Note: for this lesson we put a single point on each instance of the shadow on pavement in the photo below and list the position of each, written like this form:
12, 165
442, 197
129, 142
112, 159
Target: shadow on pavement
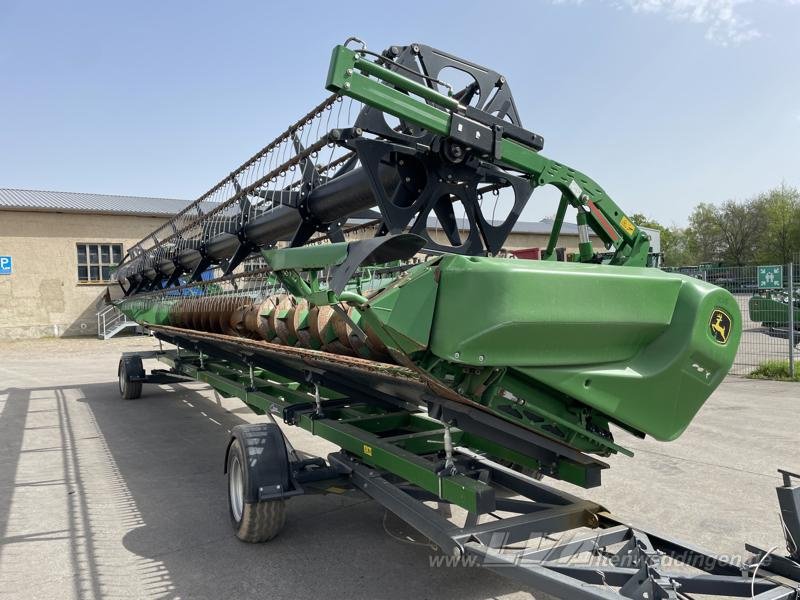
151, 471
12, 428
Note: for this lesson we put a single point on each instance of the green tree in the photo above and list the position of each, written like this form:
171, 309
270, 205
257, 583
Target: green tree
674, 247
703, 236
728, 233
764, 229
739, 223
675, 242
779, 232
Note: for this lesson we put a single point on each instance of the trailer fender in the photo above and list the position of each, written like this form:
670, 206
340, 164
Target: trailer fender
267, 469
133, 367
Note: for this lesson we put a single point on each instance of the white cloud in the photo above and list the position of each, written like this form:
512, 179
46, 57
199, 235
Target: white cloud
723, 22
722, 19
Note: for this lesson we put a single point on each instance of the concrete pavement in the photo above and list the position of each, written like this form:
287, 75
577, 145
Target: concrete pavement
102, 498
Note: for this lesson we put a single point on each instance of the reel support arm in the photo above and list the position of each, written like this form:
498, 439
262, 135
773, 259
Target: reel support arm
351, 74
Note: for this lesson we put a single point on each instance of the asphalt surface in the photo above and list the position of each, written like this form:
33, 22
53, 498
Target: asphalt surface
106, 498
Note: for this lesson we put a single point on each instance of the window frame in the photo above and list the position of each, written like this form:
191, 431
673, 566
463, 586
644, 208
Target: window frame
95, 258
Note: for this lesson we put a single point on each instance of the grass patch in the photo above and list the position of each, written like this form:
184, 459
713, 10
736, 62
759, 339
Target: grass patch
775, 369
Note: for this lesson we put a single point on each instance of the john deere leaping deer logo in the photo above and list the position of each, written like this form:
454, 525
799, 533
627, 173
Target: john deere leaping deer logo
720, 325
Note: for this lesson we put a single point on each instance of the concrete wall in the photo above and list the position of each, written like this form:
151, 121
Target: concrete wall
43, 297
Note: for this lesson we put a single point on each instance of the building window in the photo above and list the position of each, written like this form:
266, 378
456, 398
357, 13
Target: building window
95, 261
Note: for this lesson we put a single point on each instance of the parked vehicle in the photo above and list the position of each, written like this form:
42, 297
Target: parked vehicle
771, 309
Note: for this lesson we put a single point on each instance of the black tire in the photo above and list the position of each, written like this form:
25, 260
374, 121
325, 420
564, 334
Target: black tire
254, 522
129, 390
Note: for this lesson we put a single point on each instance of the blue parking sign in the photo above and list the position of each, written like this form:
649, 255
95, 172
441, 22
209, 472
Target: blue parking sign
5, 265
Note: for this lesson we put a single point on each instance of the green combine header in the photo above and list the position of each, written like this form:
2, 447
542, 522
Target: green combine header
561, 349
347, 280
558, 350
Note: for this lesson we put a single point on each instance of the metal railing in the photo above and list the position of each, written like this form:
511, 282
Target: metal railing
110, 321
769, 300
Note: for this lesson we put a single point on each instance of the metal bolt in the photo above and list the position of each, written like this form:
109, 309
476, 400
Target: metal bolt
481, 358
347, 85
348, 72
457, 355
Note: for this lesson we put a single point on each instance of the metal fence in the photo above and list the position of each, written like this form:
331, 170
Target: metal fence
769, 300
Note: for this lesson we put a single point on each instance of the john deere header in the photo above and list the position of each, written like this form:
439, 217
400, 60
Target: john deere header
280, 259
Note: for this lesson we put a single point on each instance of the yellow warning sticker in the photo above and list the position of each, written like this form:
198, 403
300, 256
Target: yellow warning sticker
367, 450
627, 226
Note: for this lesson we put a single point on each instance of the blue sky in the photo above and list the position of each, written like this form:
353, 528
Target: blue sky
666, 103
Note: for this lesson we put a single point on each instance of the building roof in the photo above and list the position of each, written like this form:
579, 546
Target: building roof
38, 200
542, 227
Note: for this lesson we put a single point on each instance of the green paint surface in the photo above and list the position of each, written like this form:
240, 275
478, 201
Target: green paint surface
635, 344
772, 310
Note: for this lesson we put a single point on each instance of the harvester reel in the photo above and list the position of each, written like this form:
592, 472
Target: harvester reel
432, 185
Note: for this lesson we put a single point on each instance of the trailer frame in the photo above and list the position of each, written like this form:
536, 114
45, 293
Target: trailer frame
555, 542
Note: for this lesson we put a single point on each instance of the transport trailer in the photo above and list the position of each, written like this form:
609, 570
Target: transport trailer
405, 456
445, 373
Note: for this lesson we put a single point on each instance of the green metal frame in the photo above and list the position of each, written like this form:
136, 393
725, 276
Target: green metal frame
402, 442
351, 74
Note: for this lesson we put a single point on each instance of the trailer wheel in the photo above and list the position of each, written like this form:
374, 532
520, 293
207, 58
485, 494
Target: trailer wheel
253, 522
129, 390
